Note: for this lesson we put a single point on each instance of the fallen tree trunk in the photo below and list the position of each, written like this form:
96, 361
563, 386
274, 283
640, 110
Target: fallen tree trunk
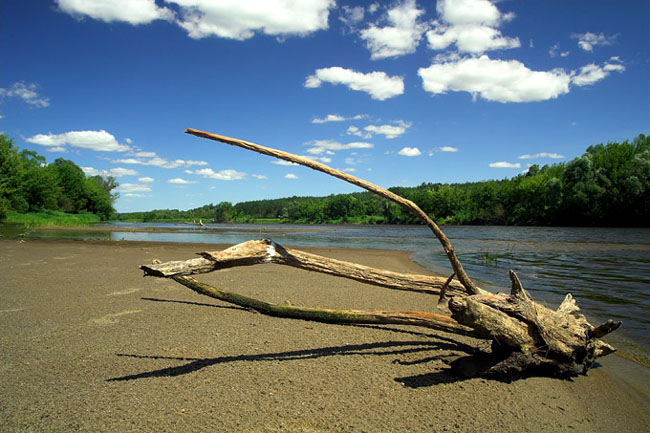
264, 251
528, 338
411, 318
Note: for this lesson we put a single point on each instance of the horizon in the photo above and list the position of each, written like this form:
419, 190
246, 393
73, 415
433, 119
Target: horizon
397, 93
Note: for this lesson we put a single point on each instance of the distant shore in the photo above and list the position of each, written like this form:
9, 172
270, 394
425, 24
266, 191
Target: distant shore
87, 344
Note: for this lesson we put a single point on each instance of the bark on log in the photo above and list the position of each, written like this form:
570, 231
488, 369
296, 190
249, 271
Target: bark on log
556, 342
411, 318
266, 251
464, 279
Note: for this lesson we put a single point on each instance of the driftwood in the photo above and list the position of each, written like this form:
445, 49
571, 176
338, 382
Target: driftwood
527, 337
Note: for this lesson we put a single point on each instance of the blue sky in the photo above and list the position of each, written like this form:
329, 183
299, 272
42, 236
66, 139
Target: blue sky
398, 93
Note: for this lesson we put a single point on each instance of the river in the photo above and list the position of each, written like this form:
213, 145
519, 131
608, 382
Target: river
607, 270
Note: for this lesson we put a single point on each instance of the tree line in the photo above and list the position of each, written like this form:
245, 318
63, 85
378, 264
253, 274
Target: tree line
609, 185
29, 184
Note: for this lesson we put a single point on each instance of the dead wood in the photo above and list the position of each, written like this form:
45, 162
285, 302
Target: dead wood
411, 318
266, 251
528, 338
464, 279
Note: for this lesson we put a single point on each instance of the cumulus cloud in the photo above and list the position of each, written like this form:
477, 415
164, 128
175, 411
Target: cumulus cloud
494, 80
592, 73
100, 141
389, 131
448, 149
351, 16
26, 92
231, 19
131, 11
259, 176
181, 181
353, 130
282, 162
337, 118
377, 84
401, 36
554, 51
236, 19
471, 25
290, 176
542, 155
146, 179
503, 164
151, 159
221, 175
319, 147
115, 172
133, 187
410, 151
587, 41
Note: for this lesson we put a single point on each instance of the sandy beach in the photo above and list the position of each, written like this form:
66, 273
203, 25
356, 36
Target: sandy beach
88, 344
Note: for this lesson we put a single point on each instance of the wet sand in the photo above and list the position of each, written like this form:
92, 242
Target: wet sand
88, 344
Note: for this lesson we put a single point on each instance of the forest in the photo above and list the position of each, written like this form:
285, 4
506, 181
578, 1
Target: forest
29, 184
609, 185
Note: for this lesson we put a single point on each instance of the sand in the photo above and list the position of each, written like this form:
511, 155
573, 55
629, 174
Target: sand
88, 344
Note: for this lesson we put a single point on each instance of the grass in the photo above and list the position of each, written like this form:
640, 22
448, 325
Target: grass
51, 218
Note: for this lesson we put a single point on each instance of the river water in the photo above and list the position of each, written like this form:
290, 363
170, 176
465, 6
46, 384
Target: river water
606, 270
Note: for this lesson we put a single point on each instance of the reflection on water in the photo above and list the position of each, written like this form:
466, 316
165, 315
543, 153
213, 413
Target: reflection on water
607, 270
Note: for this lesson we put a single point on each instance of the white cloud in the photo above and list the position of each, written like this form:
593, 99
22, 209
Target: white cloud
131, 11
135, 195
471, 25
588, 40
115, 172
146, 179
26, 92
351, 16
337, 118
282, 162
554, 51
349, 170
494, 80
410, 151
319, 147
60, 149
290, 176
329, 118
503, 164
133, 187
390, 131
377, 84
353, 130
448, 149
236, 19
145, 154
259, 176
128, 141
221, 175
157, 161
100, 141
542, 155
401, 37
180, 181
592, 73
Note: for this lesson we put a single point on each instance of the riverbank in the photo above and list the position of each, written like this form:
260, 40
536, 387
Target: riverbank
88, 344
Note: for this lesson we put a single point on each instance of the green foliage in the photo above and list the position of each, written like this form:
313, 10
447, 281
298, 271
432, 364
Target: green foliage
608, 185
52, 218
29, 184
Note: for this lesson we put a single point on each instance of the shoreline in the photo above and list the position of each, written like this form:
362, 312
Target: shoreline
88, 344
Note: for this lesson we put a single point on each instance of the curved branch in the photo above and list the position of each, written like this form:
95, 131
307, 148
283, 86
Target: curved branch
413, 318
462, 276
